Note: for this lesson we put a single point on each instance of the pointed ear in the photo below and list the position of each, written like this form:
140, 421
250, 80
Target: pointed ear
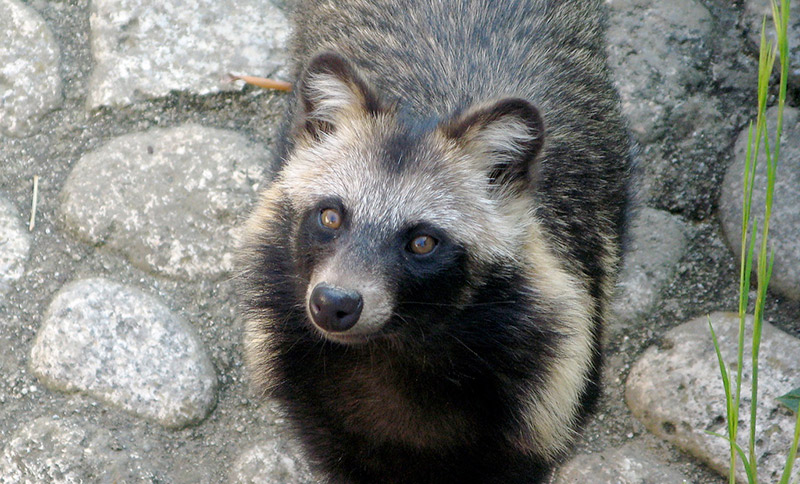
331, 88
506, 136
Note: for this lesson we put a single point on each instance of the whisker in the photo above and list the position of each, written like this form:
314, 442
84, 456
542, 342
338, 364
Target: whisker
450, 305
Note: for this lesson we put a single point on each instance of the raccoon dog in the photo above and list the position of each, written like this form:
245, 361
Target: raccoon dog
425, 281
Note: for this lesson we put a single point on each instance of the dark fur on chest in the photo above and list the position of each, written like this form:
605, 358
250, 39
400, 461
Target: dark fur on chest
431, 409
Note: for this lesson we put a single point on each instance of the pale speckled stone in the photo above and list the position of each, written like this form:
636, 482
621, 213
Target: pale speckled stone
629, 464
30, 85
145, 48
658, 241
48, 450
127, 349
15, 246
271, 462
168, 199
675, 390
784, 229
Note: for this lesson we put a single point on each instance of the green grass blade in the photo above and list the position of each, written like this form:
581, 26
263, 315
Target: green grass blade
748, 469
791, 400
729, 408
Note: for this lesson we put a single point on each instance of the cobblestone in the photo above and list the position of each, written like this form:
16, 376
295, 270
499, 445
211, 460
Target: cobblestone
14, 246
127, 349
30, 85
784, 237
168, 199
145, 48
629, 464
67, 451
652, 260
675, 390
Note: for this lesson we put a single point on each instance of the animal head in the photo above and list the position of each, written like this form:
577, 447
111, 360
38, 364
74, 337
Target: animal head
391, 218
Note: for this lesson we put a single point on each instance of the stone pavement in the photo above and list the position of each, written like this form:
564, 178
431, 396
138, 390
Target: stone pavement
121, 353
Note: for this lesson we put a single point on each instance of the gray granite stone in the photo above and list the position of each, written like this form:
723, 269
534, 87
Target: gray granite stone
30, 85
660, 58
15, 246
145, 48
167, 199
658, 241
651, 70
127, 349
630, 464
754, 13
784, 229
271, 462
51, 450
675, 390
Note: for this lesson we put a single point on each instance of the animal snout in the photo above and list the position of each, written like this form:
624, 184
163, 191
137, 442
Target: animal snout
335, 309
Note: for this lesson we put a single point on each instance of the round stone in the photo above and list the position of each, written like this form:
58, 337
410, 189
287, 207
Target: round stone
127, 349
14, 246
676, 391
660, 55
67, 451
145, 48
269, 462
784, 228
630, 464
167, 199
651, 261
649, 58
30, 85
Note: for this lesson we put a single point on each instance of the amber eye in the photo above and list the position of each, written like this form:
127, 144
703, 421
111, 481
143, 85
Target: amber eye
330, 218
422, 244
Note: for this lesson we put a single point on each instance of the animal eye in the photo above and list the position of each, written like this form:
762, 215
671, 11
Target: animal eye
422, 244
330, 218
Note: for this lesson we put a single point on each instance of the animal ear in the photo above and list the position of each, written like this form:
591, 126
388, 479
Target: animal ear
505, 136
331, 88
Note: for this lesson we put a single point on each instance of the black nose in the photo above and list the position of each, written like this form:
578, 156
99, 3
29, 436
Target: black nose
335, 309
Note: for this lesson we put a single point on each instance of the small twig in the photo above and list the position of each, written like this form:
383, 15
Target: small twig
262, 82
33, 205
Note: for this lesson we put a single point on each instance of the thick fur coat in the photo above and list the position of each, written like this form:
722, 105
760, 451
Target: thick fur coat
425, 281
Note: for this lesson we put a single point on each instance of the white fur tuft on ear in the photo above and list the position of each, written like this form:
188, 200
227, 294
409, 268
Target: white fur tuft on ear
330, 88
329, 96
509, 136
504, 137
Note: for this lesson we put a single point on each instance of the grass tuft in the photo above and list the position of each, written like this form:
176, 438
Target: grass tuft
758, 134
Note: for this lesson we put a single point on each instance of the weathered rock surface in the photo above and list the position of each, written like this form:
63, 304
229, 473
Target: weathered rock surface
754, 13
660, 58
270, 462
676, 391
70, 451
629, 464
15, 246
651, 261
784, 229
641, 59
145, 48
30, 85
168, 199
127, 349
